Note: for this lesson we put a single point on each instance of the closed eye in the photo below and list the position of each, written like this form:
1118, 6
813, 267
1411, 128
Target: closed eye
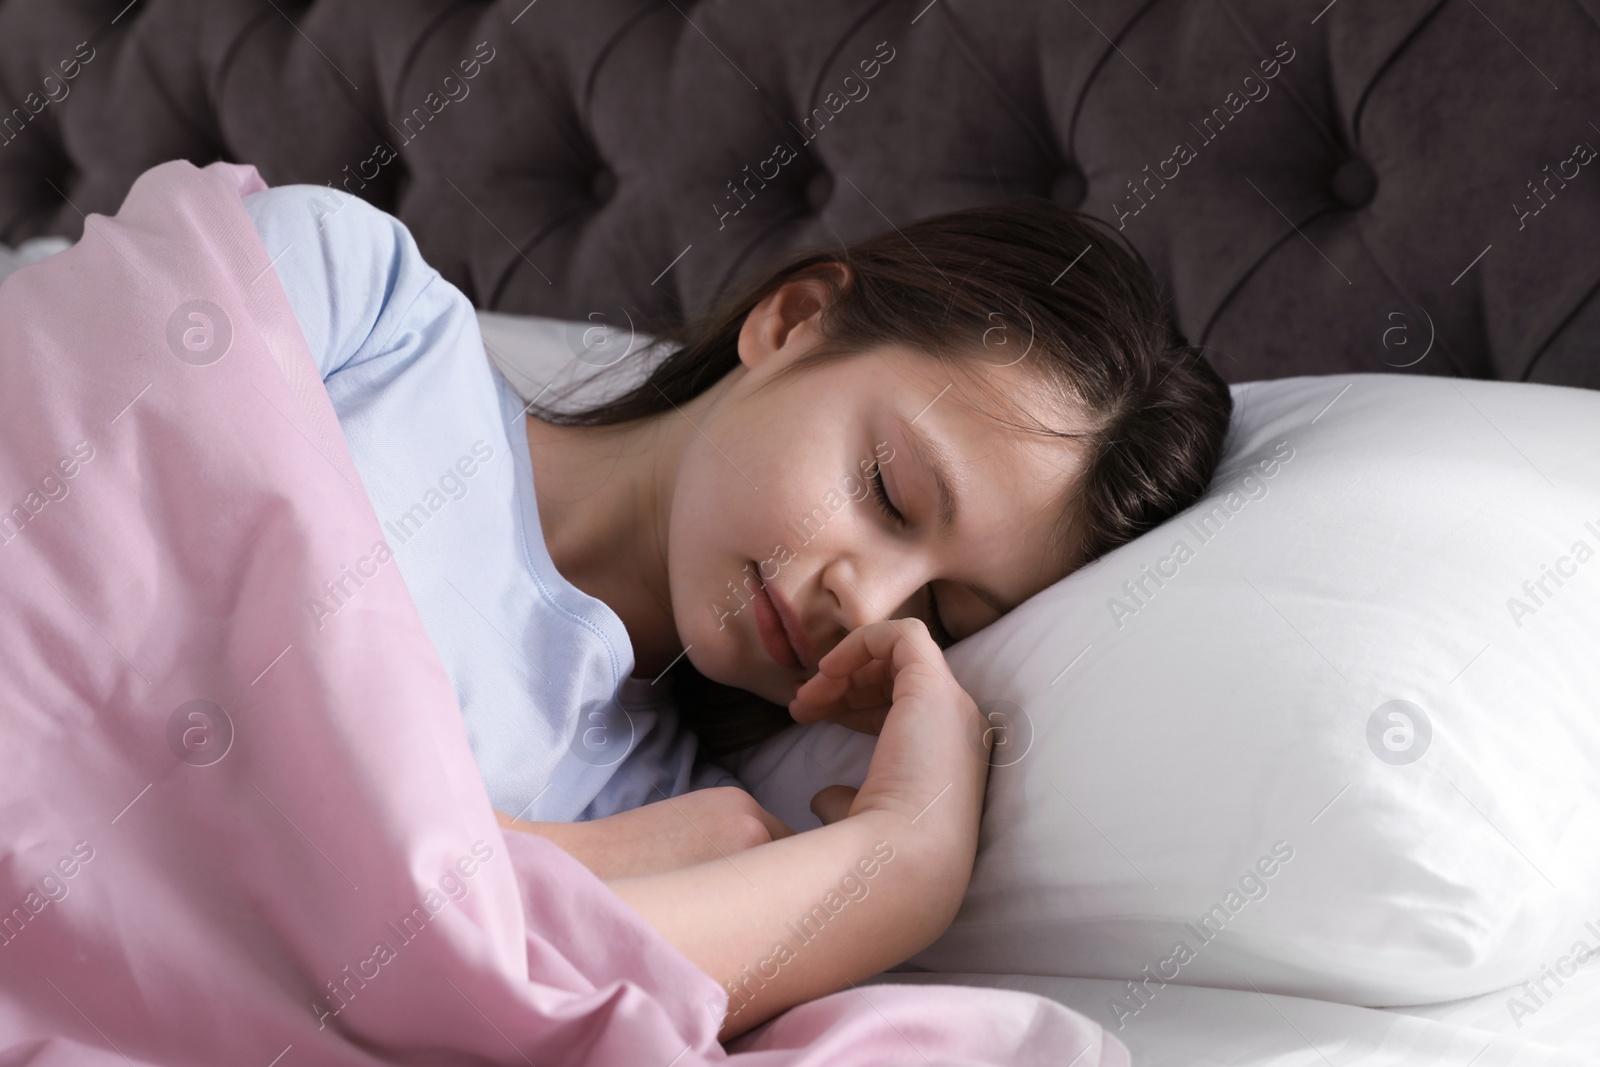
941, 635
882, 496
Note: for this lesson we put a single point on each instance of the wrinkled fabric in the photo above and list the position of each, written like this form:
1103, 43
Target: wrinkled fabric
560, 728
234, 830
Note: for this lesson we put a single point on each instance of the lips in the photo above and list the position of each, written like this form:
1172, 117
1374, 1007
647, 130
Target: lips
777, 627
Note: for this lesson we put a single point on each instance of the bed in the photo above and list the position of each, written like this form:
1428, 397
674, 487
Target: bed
1329, 206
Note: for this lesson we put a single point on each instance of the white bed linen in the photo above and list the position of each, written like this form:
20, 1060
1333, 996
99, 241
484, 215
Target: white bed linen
1191, 1026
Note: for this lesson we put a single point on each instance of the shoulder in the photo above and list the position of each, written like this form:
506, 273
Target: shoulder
351, 271
320, 215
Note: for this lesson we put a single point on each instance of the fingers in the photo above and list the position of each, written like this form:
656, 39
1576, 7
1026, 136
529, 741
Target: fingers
875, 640
833, 803
871, 686
860, 671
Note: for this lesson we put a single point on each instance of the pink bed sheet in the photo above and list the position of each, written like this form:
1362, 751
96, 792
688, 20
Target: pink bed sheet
235, 830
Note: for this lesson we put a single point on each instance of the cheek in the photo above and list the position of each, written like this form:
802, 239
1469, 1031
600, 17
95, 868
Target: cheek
731, 498
718, 521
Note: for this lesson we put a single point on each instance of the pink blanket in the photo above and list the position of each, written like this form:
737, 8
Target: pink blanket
235, 831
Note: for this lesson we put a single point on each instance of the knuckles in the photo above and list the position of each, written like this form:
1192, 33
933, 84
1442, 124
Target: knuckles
735, 818
751, 832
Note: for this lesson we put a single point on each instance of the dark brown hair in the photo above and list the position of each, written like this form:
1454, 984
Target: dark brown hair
986, 283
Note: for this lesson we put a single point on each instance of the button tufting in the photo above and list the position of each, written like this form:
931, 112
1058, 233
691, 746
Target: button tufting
602, 185
1069, 188
1354, 183
819, 190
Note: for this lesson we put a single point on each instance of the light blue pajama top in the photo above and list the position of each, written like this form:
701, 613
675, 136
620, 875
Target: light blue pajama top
560, 730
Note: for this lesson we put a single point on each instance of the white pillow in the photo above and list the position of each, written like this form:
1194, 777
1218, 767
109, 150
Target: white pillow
1214, 764
1340, 718
535, 352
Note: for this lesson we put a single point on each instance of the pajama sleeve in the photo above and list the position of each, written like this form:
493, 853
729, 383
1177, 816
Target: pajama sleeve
354, 277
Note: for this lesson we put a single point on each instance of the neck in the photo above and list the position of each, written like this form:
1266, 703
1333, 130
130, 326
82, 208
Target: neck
605, 496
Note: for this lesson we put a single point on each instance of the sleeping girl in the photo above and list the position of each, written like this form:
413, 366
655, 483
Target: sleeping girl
838, 471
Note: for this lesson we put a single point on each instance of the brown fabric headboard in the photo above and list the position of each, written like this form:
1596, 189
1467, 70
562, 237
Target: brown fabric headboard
1322, 187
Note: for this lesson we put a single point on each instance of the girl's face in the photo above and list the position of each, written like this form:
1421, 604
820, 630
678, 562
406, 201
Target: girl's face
777, 488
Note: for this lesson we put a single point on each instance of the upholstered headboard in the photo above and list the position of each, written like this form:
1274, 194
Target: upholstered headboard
1321, 185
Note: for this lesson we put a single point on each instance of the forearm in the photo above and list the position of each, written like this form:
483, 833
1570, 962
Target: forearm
675, 832
801, 917
567, 835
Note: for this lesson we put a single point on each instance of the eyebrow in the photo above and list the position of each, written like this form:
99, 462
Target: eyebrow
933, 455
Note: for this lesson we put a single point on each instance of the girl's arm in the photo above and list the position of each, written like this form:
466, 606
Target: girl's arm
680, 831
800, 917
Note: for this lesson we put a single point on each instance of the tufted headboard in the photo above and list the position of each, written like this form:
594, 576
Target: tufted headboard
1322, 186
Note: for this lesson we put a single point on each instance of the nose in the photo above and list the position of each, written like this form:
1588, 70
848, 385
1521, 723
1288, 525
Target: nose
886, 586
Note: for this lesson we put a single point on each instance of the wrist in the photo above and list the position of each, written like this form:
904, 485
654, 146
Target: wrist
940, 827
935, 857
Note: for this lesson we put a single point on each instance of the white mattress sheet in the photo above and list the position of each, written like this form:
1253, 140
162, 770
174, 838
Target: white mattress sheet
1189, 1026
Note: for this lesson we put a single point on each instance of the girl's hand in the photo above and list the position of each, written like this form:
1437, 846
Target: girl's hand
697, 826
913, 825
931, 761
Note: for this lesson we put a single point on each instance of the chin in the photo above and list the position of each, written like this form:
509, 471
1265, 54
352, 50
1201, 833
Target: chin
715, 652
723, 661
731, 654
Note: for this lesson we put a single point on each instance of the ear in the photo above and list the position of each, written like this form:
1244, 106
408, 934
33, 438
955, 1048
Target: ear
784, 324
